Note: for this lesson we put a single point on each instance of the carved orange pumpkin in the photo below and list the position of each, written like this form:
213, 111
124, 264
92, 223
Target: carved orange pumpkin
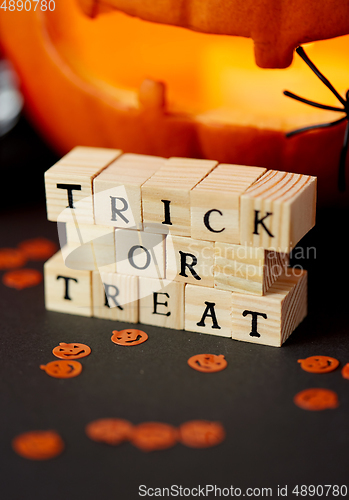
117, 81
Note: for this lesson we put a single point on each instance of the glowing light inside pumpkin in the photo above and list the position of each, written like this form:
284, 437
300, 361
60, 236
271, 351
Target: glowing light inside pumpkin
214, 77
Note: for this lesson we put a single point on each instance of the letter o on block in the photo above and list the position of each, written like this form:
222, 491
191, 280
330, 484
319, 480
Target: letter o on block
139, 253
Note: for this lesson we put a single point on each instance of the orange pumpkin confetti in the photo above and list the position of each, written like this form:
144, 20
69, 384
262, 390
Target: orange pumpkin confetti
129, 337
151, 436
11, 258
38, 248
316, 399
71, 351
22, 278
319, 364
345, 371
62, 369
38, 445
207, 363
113, 431
201, 433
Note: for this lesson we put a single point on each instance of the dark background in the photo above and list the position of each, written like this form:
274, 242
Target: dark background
270, 441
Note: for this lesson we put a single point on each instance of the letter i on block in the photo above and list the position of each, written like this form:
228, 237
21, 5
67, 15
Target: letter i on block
278, 210
67, 290
166, 195
272, 318
69, 184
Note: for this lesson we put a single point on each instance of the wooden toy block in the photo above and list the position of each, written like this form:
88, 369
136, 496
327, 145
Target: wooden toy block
271, 319
115, 296
208, 310
215, 202
117, 190
161, 303
69, 184
278, 210
90, 247
139, 253
67, 290
189, 260
166, 195
247, 269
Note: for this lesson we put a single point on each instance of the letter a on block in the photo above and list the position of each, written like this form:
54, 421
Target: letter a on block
208, 310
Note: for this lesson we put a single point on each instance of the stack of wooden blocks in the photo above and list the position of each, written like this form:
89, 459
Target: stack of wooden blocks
179, 243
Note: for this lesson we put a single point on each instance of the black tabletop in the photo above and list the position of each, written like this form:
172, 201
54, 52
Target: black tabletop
270, 442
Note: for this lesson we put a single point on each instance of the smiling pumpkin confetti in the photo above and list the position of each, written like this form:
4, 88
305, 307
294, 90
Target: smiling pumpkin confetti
207, 363
22, 278
345, 371
11, 258
319, 364
201, 433
71, 351
112, 431
38, 248
38, 445
151, 436
316, 399
129, 337
62, 369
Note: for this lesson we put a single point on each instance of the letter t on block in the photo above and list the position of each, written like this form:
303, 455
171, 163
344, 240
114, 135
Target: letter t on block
69, 184
271, 319
277, 211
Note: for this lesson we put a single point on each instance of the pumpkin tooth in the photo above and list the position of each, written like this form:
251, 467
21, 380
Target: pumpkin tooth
93, 8
152, 94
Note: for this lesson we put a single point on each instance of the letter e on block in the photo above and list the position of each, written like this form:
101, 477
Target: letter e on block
161, 303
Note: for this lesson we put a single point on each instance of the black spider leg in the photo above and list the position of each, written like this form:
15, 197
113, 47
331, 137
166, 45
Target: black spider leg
301, 52
342, 160
341, 171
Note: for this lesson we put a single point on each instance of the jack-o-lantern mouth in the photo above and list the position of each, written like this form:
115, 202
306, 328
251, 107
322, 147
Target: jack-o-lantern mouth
212, 78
